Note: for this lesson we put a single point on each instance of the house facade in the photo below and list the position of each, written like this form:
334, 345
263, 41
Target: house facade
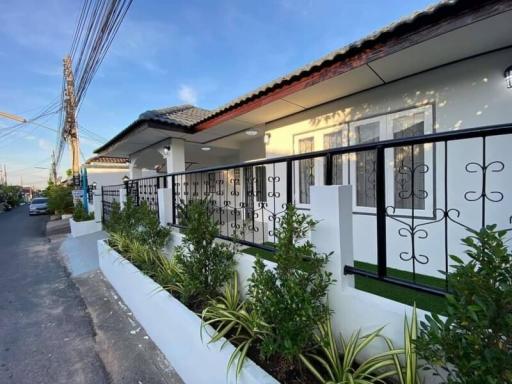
416, 118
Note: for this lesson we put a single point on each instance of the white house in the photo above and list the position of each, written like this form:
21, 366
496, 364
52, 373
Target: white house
377, 110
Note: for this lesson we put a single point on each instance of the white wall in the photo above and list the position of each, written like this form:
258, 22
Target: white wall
471, 93
106, 176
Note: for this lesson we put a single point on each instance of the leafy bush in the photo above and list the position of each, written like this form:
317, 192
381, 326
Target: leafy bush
290, 300
60, 199
139, 223
207, 265
80, 214
474, 344
10, 194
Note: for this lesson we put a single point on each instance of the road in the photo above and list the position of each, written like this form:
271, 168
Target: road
46, 333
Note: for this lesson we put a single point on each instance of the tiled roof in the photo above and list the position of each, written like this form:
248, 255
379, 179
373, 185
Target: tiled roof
107, 160
183, 115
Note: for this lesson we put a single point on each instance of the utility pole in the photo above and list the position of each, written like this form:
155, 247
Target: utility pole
71, 126
5, 175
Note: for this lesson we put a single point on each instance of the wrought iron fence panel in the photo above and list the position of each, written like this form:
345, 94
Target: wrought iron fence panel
109, 196
414, 198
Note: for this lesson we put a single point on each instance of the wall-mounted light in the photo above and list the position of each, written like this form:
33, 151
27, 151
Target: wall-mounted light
251, 132
266, 138
508, 76
94, 185
167, 148
125, 179
205, 149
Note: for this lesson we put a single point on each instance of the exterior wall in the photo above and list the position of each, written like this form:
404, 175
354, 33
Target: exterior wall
468, 94
106, 176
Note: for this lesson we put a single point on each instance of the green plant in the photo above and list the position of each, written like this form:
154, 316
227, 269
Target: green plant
292, 301
80, 214
473, 345
230, 319
207, 265
139, 223
60, 199
407, 372
339, 367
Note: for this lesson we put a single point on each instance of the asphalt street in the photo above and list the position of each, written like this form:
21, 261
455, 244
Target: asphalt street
46, 333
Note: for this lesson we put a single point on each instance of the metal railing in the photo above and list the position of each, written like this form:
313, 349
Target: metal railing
413, 197
146, 190
110, 194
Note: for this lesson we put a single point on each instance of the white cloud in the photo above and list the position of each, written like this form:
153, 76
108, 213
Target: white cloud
44, 144
187, 94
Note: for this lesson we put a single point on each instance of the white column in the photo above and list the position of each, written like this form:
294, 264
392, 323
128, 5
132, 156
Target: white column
135, 173
165, 206
175, 157
97, 204
123, 197
331, 205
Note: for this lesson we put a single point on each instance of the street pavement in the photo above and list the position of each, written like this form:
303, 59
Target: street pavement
48, 334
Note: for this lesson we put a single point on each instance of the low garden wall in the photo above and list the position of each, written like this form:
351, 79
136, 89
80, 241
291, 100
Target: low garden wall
173, 327
81, 228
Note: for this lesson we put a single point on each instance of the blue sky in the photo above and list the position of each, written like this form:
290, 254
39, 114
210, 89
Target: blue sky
166, 53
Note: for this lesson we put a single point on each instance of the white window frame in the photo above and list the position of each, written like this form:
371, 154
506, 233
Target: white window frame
428, 158
319, 163
352, 157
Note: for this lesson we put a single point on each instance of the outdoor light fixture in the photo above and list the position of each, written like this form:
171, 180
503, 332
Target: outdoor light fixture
125, 179
205, 148
251, 132
94, 185
508, 76
266, 138
167, 148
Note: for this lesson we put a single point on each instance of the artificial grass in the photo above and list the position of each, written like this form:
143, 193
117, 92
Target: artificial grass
423, 300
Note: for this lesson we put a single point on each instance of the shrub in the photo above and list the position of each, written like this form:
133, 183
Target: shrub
60, 199
290, 300
474, 344
80, 214
206, 264
138, 223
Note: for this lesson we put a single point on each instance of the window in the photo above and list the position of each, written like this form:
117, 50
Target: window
362, 133
400, 161
306, 170
409, 191
261, 183
334, 140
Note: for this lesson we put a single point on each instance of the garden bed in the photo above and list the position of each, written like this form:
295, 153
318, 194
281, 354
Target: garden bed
82, 228
173, 327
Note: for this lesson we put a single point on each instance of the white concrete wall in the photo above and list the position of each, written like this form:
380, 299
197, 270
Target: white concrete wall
174, 328
106, 176
471, 93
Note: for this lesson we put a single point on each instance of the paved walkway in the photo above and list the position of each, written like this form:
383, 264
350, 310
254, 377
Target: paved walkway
49, 333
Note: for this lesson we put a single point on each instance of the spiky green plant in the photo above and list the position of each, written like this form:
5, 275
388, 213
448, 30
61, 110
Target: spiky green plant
230, 319
339, 367
408, 367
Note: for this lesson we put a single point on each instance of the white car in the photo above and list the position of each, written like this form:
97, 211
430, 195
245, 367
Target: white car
39, 206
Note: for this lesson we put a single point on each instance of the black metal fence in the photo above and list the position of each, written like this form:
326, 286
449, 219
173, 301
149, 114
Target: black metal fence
110, 194
413, 198
146, 190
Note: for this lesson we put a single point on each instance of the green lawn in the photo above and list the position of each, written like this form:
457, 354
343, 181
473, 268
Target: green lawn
394, 292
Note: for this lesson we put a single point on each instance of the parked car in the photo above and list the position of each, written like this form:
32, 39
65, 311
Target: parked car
38, 206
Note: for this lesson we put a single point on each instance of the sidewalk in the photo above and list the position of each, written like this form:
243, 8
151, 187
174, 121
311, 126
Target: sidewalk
127, 353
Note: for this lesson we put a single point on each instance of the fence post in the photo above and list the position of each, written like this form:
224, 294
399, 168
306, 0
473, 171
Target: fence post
173, 200
380, 196
97, 203
331, 206
165, 206
122, 197
289, 182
